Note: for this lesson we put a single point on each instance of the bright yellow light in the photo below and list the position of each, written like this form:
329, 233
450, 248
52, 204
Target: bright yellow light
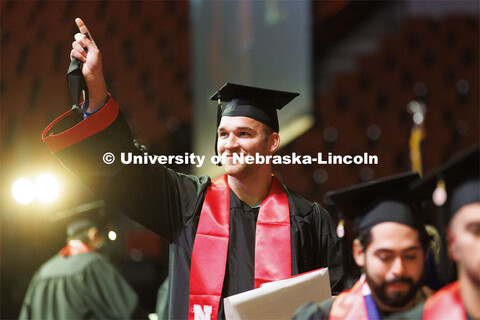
23, 191
47, 188
112, 235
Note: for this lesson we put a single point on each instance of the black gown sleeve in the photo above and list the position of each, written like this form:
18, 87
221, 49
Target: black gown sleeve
151, 194
330, 249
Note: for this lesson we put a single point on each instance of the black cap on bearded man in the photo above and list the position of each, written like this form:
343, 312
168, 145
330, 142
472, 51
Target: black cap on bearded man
384, 200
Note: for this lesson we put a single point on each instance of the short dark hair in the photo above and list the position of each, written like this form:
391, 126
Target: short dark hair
268, 131
365, 237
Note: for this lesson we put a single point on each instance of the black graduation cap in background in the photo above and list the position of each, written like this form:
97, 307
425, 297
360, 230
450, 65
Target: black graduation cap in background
82, 217
256, 103
382, 200
454, 183
450, 186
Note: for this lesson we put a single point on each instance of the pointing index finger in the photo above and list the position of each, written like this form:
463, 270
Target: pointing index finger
82, 27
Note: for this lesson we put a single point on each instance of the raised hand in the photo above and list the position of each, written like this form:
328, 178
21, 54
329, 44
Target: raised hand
86, 51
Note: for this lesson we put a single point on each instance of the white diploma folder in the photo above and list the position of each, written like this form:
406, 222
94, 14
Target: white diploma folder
279, 299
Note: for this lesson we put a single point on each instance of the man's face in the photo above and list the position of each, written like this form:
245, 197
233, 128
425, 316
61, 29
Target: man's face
464, 241
394, 264
243, 135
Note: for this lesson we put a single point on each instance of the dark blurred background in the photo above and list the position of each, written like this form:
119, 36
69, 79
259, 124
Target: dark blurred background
368, 61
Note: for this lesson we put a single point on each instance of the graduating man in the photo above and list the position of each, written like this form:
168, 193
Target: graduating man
79, 282
458, 196
228, 235
390, 248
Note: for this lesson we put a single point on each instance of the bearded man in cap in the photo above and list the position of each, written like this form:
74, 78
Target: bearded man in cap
390, 247
228, 235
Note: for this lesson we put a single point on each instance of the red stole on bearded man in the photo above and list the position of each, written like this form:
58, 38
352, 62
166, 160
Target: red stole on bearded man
350, 304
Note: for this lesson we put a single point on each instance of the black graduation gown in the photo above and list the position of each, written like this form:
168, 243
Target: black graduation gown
169, 203
82, 286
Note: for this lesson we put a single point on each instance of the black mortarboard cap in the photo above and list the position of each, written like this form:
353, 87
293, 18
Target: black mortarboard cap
256, 103
383, 200
76, 82
83, 217
454, 183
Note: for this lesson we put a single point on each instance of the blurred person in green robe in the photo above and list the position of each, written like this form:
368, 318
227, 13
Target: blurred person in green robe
79, 282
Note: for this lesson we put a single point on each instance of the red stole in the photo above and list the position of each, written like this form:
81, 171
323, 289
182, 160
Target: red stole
350, 304
73, 248
209, 256
445, 304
